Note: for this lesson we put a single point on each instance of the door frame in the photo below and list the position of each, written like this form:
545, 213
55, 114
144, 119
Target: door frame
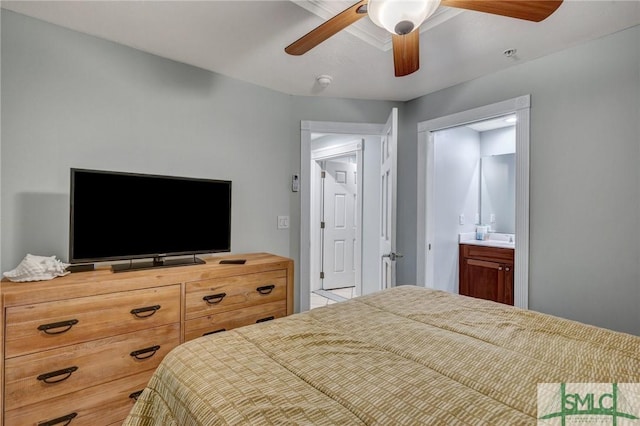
306, 233
426, 129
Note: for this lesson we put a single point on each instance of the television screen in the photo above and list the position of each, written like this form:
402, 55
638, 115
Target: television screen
118, 216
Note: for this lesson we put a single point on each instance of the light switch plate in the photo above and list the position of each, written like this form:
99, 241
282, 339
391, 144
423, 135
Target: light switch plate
283, 222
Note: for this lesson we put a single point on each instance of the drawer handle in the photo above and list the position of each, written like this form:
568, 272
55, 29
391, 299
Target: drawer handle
59, 420
135, 395
47, 328
65, 372
266, 319
265, 289
151, 351
214, 299
215, 331
147, 311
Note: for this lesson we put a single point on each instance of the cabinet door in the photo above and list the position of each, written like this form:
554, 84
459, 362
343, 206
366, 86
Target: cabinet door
484, 280
508, 284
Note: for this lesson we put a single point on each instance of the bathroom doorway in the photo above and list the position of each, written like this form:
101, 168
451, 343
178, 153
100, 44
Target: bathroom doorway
450, 185
474, 186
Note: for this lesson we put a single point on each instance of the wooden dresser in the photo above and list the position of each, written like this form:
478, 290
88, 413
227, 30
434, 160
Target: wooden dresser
78, 349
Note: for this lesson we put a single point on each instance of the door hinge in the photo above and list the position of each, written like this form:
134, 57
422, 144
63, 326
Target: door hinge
322, 275
323, 174
321, 225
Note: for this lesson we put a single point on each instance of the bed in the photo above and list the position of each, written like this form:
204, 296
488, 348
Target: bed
406, 355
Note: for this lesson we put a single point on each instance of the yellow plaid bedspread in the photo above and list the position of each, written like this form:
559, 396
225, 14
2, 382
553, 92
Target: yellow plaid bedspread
404, 356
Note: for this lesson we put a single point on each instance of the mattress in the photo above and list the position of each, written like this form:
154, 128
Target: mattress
406, 355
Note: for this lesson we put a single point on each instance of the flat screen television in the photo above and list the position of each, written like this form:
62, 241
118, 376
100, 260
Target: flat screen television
126, 216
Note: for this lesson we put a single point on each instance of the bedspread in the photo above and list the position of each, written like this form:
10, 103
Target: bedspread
406, 355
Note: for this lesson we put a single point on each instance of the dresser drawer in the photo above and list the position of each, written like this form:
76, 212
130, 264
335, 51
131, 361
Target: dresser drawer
43, 326
43, 375
211, 296
96, 406
233, 319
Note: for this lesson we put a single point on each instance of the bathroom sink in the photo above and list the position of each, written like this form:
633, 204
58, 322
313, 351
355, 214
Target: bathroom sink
495, 240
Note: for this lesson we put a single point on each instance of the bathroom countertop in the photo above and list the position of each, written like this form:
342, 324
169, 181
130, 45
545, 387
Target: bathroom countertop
495, 239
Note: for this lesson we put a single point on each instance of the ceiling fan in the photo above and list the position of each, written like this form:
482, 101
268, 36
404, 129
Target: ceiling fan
402, 18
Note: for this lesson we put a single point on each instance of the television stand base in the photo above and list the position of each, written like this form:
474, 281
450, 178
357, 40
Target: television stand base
156, 263
81, 268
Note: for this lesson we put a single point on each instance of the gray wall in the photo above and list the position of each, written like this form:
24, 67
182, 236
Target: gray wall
585, 180
72, 100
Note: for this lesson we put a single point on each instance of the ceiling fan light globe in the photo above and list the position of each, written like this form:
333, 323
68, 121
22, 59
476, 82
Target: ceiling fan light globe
393, 15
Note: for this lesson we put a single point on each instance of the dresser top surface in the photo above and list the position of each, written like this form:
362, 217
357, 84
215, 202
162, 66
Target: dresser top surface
103, 280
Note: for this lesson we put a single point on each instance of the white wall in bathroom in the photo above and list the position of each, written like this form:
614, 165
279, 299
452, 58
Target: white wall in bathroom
457, 155
498, 141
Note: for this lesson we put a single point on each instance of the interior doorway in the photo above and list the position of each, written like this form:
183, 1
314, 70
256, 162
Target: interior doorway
427, 228
377, 250
337, 188
474, 186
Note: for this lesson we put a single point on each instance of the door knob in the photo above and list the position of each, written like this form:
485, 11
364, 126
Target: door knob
393, 256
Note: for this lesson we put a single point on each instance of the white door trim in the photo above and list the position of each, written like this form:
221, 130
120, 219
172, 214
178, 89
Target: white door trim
519, 105
337, 151
306, 128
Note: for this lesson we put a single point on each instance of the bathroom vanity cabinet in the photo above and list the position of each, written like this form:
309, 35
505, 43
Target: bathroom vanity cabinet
487, 272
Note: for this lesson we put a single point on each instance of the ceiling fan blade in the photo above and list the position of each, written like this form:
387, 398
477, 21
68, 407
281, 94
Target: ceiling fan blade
530, 10
339, 22
406, 53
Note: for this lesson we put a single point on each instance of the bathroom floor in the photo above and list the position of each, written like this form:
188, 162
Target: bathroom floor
327, 297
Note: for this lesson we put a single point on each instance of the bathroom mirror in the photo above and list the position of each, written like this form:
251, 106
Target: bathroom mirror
498, 192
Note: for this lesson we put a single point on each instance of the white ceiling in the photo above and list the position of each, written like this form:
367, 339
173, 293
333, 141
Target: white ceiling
246, 39
492, 124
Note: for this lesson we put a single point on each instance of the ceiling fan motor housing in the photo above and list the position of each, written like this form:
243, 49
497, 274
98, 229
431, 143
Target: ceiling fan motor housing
403, 27
401, 16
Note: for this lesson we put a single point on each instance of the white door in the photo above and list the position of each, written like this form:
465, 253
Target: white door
340, 221
388, 184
